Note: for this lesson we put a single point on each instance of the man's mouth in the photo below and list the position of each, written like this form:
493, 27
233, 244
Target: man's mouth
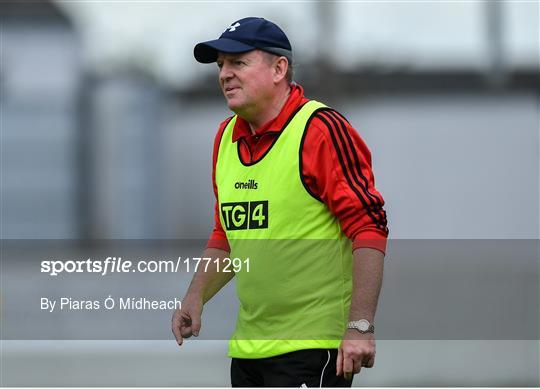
230, 88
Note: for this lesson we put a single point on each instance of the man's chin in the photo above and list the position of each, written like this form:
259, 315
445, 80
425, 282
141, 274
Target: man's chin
233, 105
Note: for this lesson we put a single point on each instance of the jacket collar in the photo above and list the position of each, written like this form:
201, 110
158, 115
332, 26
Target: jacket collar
296, 98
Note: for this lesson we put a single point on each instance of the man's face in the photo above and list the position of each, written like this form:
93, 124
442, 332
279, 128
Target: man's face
246, 80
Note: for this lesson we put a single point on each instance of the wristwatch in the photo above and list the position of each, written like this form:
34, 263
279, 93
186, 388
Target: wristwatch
363, 326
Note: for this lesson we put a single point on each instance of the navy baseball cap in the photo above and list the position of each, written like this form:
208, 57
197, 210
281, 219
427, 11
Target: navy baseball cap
245, 35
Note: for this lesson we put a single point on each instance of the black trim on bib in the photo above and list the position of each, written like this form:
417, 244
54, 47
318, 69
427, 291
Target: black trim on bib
219, 143
223, 133
272, 145
306, 187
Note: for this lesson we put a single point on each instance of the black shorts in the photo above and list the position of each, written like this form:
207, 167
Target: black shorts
304, 368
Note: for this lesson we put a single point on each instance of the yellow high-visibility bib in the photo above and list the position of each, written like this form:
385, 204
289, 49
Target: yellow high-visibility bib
295, 293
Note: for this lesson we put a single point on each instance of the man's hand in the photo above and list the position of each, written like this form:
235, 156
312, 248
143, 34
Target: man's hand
356, 351
204, 285
187, 320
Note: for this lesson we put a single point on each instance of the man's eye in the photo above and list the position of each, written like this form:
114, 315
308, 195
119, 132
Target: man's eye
219, 65
238, 62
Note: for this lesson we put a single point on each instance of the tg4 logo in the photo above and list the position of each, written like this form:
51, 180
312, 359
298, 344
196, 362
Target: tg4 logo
245, 215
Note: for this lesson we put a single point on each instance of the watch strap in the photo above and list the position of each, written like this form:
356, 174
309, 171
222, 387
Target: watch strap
354, 325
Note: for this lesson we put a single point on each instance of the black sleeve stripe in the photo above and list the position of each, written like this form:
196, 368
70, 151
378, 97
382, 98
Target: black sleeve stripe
326, 118
376, 201
357, 168
355, 171
352, 179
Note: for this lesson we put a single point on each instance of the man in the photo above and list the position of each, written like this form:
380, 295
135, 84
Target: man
294, 188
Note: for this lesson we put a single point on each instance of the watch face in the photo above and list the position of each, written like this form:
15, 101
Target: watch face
363, 325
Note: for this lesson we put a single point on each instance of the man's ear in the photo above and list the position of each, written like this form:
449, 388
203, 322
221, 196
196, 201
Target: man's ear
280, 69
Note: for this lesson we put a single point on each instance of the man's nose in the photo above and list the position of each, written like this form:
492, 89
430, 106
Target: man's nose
225, 73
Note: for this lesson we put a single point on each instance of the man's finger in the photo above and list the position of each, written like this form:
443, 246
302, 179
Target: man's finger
348, 367
195, 325
339, 362
176, 329
178, 335
185, 325
370, 362
185, 330
357, 367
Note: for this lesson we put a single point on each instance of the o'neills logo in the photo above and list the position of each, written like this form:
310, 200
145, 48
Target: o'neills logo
251, 184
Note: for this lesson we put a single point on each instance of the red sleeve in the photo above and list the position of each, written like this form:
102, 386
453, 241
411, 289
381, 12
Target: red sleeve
218, 238
336, 168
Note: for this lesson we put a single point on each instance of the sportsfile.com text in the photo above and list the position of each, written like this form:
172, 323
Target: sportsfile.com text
112, 265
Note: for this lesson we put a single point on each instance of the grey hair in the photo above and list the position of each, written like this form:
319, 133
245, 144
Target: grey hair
290, 68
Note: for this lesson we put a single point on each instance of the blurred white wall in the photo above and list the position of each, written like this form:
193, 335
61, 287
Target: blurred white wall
39, 75
160, 36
